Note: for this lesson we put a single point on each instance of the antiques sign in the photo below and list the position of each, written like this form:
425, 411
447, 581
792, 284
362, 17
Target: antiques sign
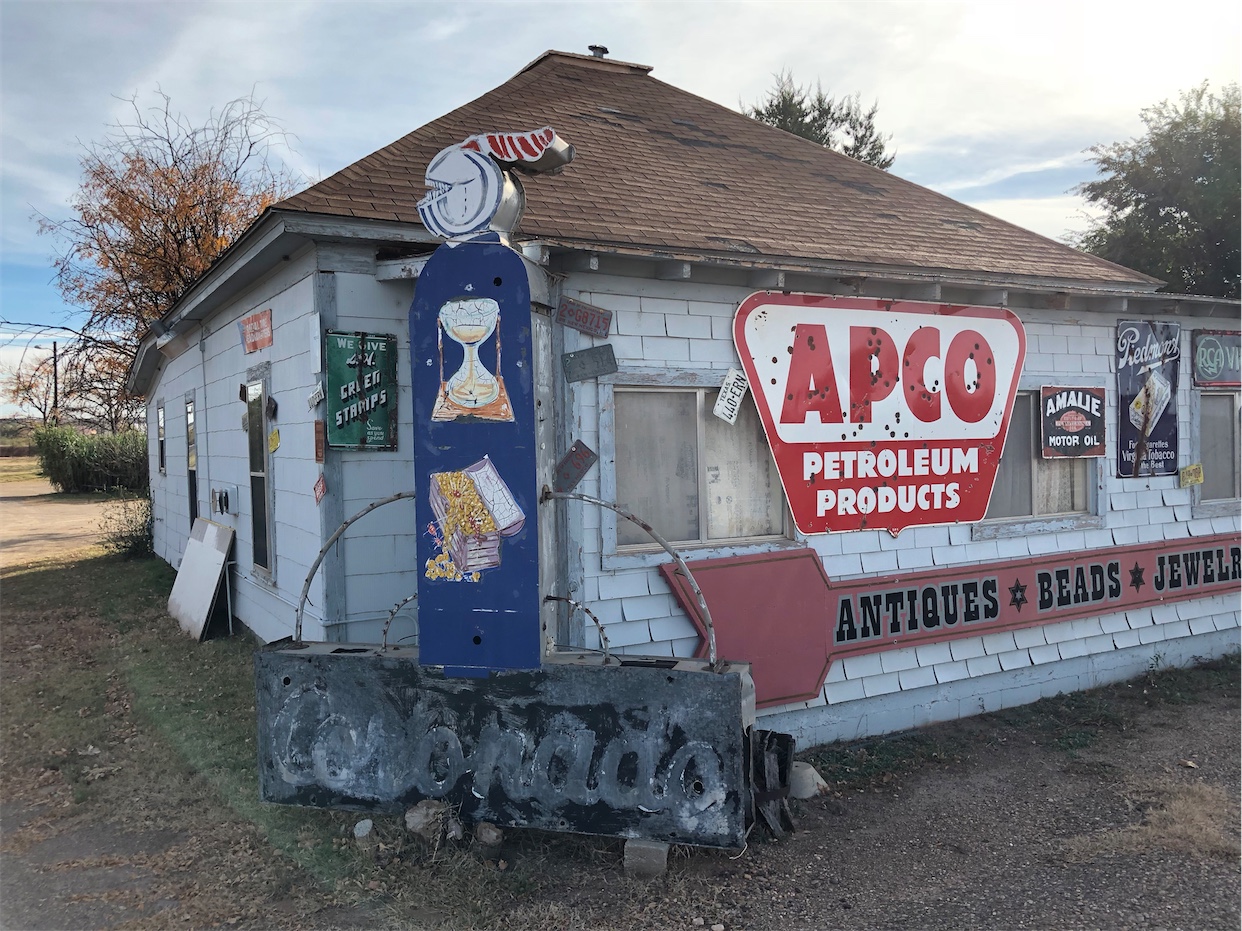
362, 390
881, 414
878, 613
1216, 357
1147, 363
1071, 422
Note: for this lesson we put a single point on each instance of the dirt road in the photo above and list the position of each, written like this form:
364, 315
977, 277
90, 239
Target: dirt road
35, 522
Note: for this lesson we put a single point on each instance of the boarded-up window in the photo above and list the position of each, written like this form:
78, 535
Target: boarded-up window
1218, 446
693, 477
1027, 485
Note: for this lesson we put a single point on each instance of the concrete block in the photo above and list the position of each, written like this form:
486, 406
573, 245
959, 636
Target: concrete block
860, 667
848, 690
916, 678
645, 859
951, 672
932, 653
914, 559
881, 685
1045, 654
666, 348
999, 643
983, 665
874, 563
646, 607
1225, 621
968, 648
1101, 644
1072, 648
1111, 623
1028, 637
1203, 624
899, 659
1015, 659
692, 327
1153, 634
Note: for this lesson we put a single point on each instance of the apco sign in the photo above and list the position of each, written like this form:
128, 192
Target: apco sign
881, 414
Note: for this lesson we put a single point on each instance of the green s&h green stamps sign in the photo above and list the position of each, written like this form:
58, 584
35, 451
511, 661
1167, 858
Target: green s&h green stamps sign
362, 390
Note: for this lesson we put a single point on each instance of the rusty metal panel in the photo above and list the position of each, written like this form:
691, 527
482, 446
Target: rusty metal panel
589, 363
574, 466
583, 317
649, 748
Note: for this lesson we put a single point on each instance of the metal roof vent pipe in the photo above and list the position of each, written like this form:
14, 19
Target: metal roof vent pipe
599, 51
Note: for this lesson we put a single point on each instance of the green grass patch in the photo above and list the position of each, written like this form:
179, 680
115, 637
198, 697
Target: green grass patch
19, 469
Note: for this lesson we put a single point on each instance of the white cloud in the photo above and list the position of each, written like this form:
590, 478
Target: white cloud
1054, 217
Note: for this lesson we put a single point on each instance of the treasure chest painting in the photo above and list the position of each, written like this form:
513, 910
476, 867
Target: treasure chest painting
474, 509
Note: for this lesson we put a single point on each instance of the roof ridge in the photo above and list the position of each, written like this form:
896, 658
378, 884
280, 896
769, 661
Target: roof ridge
588, 61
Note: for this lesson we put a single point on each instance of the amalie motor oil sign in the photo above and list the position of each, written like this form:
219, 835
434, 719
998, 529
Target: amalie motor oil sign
881, 414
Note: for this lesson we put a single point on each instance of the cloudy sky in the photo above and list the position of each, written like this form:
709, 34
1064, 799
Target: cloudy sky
991, 103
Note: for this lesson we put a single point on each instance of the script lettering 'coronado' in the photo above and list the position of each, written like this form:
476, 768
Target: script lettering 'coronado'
881, 414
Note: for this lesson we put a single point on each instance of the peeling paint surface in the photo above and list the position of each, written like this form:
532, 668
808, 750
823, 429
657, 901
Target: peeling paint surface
651, 749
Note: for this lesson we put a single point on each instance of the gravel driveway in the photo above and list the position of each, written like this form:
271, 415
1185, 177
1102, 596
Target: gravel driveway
35, 522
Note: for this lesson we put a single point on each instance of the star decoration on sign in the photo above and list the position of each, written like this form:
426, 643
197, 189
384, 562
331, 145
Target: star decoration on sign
1017, 594
1136, 577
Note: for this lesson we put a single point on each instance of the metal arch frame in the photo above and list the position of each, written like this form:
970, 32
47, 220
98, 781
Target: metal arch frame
682, 568
323, 551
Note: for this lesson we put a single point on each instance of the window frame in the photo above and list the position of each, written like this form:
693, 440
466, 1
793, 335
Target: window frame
1092, 518
613, 557
191, 456
261, 376
161, 438
1211, 507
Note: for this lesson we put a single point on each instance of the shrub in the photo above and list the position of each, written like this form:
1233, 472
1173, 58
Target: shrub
75, 462
127, 527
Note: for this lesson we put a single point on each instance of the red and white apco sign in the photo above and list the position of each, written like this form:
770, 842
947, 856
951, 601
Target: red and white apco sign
881, 414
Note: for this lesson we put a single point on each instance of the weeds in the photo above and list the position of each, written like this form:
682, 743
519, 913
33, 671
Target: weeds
127, 528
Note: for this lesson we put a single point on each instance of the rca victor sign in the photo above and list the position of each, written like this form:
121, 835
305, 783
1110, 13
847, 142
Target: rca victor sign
881, 414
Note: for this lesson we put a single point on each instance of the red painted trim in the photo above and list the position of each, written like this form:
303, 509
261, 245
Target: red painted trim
981, 599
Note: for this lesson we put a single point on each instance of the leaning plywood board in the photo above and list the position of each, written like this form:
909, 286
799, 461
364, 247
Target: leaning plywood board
198, 580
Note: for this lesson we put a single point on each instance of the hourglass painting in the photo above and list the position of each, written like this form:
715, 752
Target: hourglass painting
472, 391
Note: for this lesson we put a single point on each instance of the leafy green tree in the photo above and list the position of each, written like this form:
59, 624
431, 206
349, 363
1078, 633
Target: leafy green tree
838, 124
1171, 196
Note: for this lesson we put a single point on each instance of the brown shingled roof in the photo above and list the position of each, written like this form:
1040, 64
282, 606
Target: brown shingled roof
662, 170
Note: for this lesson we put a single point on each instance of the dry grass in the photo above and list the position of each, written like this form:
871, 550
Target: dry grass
1197, 820
19, 468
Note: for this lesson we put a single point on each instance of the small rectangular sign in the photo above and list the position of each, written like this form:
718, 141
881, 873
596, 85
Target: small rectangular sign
362, 390
1217, 359
321, 488
256, 331
571, 469
729, 401
1191, 475
583, 317
321, 439
1071, 422
1148, 353
589, 363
